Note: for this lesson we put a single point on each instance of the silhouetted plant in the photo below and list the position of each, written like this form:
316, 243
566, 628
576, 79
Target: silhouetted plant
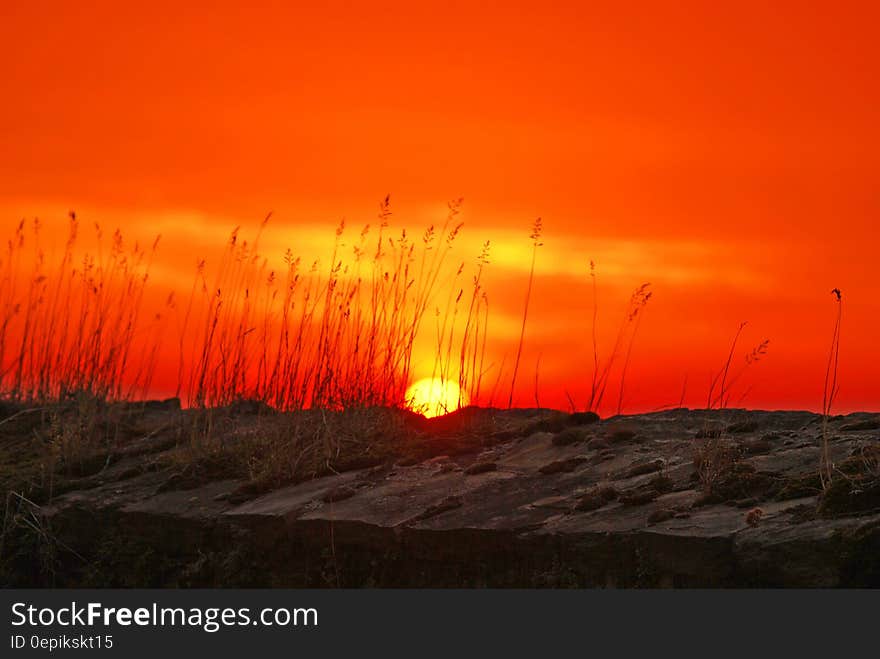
829, 393
341, 335
723, 381
536, 243
73, 328
636, 307
626, 334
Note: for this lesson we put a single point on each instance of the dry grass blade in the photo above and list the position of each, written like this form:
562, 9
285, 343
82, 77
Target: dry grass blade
829, 393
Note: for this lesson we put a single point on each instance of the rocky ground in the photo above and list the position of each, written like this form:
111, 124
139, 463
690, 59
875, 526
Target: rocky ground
521, 498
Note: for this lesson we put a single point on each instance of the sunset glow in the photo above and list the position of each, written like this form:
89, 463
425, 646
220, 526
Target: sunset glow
433, 397
727, 155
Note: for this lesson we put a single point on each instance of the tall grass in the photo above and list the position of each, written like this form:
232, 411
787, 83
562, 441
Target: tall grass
713, 456
75, 325
472, 354
335, 335
626, 335
536, 243
723, 381
637, 304
829, 393
295, 334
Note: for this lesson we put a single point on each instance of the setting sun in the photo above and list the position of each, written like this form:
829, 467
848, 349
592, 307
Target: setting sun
433, 397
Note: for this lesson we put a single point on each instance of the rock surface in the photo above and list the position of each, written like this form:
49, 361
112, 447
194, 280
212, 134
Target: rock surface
553, 501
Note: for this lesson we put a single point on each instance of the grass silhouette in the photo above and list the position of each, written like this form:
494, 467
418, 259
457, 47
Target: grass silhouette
294, 335
626, 335
723, 381
537, 228
75, 326
333, 335
829, 393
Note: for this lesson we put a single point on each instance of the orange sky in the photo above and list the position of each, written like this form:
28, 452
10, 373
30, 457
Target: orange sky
728, 155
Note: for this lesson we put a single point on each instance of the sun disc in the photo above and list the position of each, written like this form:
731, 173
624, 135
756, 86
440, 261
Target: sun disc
434, 397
